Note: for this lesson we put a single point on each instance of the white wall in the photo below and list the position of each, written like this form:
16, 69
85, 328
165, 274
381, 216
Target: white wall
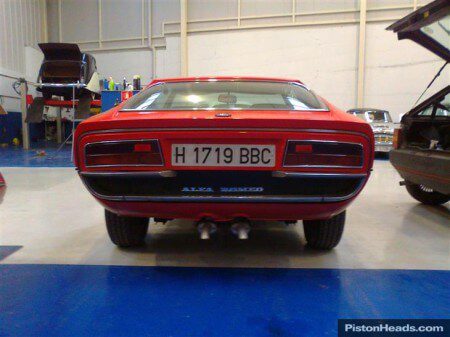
168, 59
323, 57
398, 71
20, 26
320, 53
124, 63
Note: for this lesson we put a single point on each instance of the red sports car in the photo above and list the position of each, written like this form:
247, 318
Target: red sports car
225, 150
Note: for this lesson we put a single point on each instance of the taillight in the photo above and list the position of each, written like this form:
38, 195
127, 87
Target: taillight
397, 139
124, 153
312, 153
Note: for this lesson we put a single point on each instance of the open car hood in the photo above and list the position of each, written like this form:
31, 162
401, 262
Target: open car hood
61, 51
428, 26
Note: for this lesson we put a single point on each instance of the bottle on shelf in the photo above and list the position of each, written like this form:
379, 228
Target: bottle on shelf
111, 84
136, 82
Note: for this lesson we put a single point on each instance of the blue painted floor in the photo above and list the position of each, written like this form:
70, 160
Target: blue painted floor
74, 300
13, 156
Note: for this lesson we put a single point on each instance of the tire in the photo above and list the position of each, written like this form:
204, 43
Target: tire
126, 231
426, 195
324, 234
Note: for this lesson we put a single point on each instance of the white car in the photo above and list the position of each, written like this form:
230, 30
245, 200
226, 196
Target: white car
382, 126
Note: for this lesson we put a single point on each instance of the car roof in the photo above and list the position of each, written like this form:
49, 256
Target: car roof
224, 78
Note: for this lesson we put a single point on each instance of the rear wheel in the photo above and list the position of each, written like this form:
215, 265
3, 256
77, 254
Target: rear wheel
426, 195
324, 234
126, 231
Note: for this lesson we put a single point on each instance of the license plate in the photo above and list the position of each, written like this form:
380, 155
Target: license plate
223, 155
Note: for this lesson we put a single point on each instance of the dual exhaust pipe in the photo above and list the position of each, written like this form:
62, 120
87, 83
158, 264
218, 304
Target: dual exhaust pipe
239, 227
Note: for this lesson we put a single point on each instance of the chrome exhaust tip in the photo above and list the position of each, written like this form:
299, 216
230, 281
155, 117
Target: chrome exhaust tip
241, 228
206, 228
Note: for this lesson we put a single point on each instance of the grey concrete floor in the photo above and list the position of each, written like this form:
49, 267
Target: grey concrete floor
49, 213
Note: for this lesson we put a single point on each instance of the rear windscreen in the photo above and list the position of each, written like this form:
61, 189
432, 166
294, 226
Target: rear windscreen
439, 31
378, 116
225, 95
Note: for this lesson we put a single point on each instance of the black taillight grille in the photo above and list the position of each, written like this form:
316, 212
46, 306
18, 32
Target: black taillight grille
124, 153
313, 153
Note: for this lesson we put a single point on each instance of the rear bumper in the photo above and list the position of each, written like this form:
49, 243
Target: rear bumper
425, 167
227, 211
224, 194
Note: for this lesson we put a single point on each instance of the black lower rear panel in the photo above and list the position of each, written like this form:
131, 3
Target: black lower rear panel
222, 186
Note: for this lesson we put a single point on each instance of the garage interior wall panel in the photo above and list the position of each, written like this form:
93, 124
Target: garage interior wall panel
116, 26
371, 4
164, 11
262, 7
168, 59
52, 21
304, 6
20, 26
79, 20
217, 9
326, 65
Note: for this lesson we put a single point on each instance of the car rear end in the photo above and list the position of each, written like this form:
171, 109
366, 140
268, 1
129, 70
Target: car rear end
222, 164
421, 152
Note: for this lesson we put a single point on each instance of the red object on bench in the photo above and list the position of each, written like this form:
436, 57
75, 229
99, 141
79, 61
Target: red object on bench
54, 102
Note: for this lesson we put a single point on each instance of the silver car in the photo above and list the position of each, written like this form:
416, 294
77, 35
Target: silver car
382, 126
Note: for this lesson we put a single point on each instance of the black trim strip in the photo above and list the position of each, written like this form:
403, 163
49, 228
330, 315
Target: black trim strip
157, 174
221, 199
283, 174
227, 129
